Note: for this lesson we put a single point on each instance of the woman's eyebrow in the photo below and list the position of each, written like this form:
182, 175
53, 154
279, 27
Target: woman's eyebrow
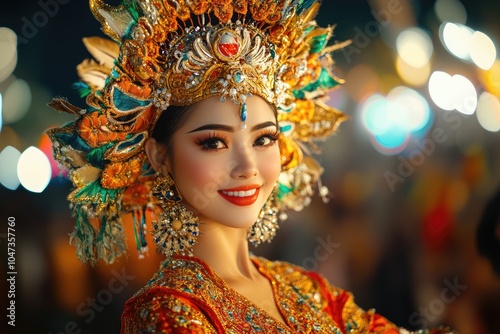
263, 125
227, 128
221, 127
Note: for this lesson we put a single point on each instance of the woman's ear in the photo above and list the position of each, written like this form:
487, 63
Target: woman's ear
157, 155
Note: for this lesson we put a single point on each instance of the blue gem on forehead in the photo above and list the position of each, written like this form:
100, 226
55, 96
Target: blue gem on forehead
243, 114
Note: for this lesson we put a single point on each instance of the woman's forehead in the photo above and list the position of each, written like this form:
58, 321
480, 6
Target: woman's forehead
213, 110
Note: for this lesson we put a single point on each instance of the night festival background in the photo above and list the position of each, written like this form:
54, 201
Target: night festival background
409, 174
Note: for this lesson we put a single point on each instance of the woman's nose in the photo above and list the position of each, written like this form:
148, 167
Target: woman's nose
245, 165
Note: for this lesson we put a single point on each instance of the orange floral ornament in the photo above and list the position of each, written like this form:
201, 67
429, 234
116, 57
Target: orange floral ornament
138, 195
121, 174
94, 130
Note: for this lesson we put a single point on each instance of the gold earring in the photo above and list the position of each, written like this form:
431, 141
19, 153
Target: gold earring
176, 229
264, 229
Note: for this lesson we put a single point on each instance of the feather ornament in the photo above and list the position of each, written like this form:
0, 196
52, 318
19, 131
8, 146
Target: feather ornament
93, 74
61, 104
115, 20
103, 50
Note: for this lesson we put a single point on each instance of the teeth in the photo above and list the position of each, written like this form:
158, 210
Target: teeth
240, 193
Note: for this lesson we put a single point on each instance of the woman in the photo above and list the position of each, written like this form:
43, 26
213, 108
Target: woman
222, 289
196, 112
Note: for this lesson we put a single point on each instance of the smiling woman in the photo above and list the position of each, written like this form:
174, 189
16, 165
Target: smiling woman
200, 116
240, 167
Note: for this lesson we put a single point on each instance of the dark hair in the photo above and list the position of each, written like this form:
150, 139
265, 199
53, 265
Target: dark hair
169, 122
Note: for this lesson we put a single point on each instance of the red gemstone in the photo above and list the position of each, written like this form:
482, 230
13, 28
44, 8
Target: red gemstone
228, 45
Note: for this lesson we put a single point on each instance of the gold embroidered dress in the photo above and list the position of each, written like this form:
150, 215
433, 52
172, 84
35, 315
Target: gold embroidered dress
186, 296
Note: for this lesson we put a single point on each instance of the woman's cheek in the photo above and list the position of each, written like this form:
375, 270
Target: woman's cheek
270, 165
200, 173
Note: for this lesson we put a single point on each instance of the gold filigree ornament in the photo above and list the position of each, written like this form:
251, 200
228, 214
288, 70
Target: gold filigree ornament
176, 229
179, 52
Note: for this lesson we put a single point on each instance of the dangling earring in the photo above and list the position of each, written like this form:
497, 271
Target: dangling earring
264, 229
176, 229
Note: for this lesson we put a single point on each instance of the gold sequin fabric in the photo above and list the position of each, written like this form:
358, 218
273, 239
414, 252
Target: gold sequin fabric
186, 296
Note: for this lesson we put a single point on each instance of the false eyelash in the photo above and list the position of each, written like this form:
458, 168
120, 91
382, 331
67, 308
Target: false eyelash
273, 134
211, 135
201, 140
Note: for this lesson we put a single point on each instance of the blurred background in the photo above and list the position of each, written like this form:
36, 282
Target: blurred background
410, 173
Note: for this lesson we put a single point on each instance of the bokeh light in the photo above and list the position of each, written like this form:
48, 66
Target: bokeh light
373, 114
490, 79
414, 113
412, 75
391, 121
457, 39
8, 54
483, 52
33, 170
450, 11
392, 141
16, 101
453, 92
488, 112
414, 47
8, 167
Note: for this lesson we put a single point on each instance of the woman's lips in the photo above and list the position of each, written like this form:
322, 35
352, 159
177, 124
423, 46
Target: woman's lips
241, 196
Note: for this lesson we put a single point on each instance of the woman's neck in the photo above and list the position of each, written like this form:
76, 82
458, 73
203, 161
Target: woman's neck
225, 250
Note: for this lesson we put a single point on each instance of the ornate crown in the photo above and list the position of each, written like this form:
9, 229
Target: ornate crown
168, 52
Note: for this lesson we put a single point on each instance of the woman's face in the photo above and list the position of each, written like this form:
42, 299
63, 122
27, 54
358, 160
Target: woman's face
224, 173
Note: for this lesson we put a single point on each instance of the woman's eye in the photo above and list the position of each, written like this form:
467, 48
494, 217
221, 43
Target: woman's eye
264, 141
213, 144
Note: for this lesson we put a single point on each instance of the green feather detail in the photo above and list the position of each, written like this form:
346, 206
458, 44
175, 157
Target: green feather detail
318, 43
308, 30
97, 195
325, 82
107, 245
110, 242
83, 236
283, 191
82, 89
96, 156
132, 8
304, 5
73, 140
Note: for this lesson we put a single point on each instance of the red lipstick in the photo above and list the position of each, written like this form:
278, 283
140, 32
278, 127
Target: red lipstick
241, 196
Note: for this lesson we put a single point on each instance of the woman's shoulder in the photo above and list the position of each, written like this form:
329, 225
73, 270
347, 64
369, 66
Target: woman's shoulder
182, 273
163, 312
169, 302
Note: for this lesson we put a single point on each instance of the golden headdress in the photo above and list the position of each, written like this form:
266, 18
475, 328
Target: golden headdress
178, 52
